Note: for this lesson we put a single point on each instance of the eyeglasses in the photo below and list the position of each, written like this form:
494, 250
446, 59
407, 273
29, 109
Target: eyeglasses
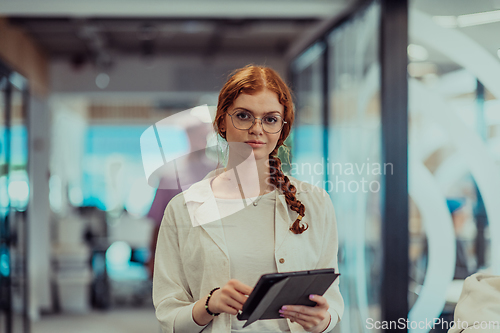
244, 120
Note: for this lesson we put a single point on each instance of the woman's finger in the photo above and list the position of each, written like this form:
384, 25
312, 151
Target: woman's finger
300, 315
305, 324
228, 309
309, 310
224, 303
320, 300
241, 287
233, 303
237, 296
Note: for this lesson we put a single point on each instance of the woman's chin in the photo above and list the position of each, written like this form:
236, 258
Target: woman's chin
261, 155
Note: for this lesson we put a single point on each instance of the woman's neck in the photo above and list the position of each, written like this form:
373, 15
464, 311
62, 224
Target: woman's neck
246, 172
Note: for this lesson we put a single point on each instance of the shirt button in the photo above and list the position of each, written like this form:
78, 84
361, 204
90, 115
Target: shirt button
282, 260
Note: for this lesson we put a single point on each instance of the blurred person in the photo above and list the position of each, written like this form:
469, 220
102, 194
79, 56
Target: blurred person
204, 272
195, 167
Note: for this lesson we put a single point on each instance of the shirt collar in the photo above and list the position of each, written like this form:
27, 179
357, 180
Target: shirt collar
206, 210
202, 192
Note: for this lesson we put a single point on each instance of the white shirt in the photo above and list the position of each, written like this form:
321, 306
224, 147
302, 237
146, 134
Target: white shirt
193, 257
478, 309
249, 235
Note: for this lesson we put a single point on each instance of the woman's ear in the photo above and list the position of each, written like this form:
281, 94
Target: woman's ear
222, 124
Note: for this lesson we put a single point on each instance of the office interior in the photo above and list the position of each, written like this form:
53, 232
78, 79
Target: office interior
397, 105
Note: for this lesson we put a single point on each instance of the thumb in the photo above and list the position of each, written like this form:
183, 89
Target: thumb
320, 300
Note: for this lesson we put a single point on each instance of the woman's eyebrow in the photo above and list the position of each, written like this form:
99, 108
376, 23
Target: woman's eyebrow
240, 108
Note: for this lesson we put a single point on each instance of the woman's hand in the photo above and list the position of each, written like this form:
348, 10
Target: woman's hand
230, 298
313, 319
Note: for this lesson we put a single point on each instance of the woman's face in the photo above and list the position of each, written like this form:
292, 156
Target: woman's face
262, 104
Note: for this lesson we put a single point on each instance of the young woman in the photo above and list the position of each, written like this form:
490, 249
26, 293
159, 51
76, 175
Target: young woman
247, 219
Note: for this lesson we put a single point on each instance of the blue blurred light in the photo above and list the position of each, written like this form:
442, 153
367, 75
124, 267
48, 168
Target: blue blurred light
4, 264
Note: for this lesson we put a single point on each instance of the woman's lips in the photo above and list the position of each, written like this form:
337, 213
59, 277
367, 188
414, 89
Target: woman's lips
255, 145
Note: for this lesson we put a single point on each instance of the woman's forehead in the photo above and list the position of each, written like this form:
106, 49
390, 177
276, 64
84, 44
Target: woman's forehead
259, 103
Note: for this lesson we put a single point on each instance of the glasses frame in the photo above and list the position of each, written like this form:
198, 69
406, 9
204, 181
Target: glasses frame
253, 123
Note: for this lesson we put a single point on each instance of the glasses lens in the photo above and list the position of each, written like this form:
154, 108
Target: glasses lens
272, 123
244, 120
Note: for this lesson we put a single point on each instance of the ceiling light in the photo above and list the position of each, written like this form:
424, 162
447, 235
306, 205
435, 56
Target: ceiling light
468, 20
498, 53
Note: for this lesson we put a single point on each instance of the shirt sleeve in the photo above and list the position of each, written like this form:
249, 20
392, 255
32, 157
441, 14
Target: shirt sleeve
328, 259
172, 297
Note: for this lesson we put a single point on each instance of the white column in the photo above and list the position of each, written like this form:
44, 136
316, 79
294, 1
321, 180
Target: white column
39, 264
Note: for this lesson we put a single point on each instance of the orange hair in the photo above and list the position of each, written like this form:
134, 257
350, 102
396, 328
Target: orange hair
249, 80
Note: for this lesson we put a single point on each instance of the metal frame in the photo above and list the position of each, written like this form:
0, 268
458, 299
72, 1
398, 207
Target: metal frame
480, 210
394, 63
326, 113
26, 92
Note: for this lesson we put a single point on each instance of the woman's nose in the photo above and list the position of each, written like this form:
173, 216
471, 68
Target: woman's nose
254, 125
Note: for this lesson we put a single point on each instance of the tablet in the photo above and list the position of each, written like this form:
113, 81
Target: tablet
274, 290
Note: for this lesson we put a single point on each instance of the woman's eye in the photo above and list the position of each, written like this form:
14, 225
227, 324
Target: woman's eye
271, 120
243, 115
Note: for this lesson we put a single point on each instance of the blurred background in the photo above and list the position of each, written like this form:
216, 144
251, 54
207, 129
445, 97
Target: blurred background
405, 93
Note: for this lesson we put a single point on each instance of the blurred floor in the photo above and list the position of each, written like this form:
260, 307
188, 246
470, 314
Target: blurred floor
130, 320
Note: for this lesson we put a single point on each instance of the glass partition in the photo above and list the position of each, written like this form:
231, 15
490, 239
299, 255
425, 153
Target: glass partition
309, 128
355, 164
338, 147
